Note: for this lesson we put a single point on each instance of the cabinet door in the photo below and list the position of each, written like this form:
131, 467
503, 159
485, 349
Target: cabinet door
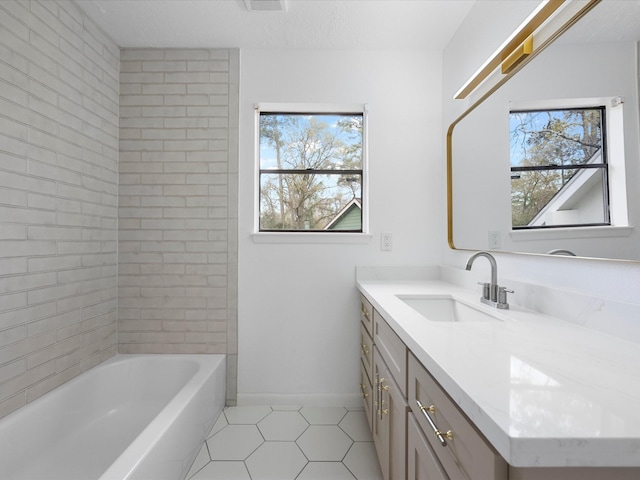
422, 463
390, 422
366, 350
367, 394
392, 350
366, 314
466, 455
380, 419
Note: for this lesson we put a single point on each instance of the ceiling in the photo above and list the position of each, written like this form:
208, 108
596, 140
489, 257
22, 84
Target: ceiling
310, 24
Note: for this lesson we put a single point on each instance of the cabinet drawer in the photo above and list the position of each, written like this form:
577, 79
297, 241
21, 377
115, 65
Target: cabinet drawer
366, 314
392, 350
367, 394
366, 350
467, 455
422, 463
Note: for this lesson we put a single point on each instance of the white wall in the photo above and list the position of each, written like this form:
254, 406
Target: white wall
298, 305
491, 22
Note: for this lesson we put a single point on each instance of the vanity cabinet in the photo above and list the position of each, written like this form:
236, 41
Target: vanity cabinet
383, 372
460, 449
389, 422
366, 375
366, 357
398, 394
390, 415
421, 433
422, 462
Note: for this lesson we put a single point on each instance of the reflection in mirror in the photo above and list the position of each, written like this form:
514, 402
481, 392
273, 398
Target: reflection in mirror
591, 202
558, 167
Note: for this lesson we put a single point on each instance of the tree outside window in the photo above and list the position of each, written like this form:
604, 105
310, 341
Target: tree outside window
311, 171
558, 168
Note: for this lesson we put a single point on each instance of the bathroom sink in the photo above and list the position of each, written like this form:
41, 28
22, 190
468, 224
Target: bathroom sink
445, 309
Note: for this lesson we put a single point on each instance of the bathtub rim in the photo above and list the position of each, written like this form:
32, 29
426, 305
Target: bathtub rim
127, 462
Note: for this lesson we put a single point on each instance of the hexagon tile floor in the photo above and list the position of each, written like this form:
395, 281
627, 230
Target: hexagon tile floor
288, 443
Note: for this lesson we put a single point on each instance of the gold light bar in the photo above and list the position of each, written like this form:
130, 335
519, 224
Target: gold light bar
517, 38
518, 55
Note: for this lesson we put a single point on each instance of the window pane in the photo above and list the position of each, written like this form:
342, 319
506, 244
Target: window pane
558, 197
310, 141
299, 154
556, 137
542, 195
310, 201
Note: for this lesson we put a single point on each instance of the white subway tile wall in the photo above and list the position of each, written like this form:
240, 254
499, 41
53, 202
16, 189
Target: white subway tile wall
58, 197
177, 242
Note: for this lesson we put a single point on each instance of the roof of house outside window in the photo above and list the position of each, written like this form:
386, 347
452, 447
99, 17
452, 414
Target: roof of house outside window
349, 218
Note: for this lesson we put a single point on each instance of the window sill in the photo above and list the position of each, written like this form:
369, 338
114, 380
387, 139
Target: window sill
310, 238
573, 232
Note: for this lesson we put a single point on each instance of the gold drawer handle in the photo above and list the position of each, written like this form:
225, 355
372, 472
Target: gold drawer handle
363, 388
436, 431
448, 434
382, 387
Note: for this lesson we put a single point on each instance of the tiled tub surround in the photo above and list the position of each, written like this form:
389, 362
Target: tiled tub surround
118, 421
177, 245
58, 197
545, 392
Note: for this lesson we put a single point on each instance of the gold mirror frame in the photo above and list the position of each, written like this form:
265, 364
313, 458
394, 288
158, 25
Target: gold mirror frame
548, 22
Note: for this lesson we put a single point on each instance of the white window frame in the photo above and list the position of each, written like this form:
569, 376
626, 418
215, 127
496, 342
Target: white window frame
302, 236
618, 210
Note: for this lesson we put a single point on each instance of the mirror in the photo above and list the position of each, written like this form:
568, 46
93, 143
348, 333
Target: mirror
595, 62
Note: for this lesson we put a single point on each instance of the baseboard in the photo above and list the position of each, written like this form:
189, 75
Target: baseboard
353, 400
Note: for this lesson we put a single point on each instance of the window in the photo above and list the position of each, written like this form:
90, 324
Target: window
311, 175
559, 169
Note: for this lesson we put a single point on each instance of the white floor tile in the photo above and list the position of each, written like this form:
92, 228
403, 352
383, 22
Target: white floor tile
276, 461
362, 461
323, 415
201, 460
221, 422
247, 415
223, 471
283, 426
288, 443
326, 471
324, 443
286, 407
355, 425
234, 442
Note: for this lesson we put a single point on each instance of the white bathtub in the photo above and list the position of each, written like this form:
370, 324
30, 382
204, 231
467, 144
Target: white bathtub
133, 417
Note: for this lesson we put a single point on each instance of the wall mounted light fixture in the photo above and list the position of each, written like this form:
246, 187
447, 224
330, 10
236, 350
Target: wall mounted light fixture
522, 43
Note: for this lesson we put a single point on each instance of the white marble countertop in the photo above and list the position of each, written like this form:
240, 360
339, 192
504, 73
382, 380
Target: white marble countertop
545, 392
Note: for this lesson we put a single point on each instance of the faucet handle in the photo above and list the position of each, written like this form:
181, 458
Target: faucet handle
486, 290
502, 297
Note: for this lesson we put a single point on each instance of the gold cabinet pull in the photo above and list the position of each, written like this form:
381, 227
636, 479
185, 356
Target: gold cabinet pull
436, 431
363, 388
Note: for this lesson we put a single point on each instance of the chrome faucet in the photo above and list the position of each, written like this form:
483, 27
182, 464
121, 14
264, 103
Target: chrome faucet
561, 251
492, 294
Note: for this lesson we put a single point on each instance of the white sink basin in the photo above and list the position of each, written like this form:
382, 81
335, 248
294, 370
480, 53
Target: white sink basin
446, 309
